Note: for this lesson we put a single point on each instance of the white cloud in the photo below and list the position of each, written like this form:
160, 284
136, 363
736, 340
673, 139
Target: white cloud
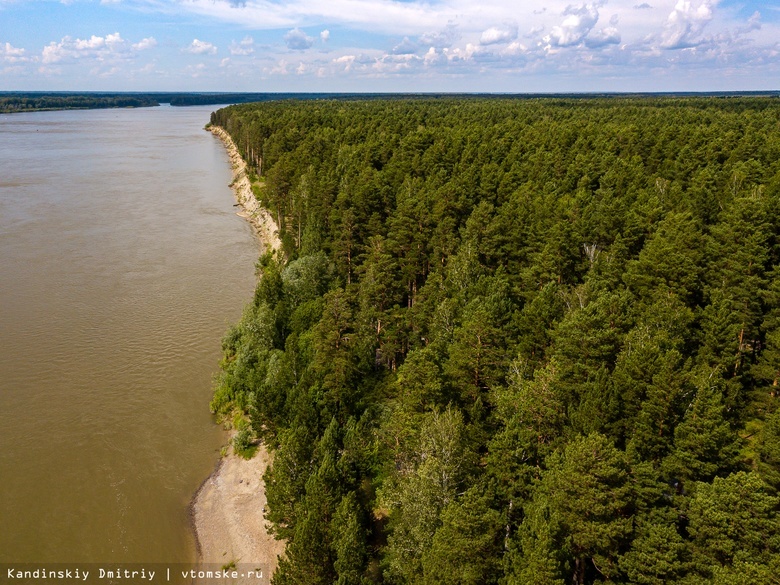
496, 34
406, 47
575, 27
443, 38
298, 40
515, 48
686, 23
346, 61
11, 54
489, 40
245, 47
144, 44
465, 54
606, 36
198, 47
433, 57
112, 46
280, 68
94, 42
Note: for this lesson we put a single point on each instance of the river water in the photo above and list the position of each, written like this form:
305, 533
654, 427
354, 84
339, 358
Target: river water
122, 262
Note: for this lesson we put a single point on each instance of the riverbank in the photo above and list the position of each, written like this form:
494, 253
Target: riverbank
258, 216
228, 517
228, 511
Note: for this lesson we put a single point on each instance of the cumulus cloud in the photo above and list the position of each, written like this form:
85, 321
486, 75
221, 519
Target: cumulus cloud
514, 49
245, 47
579, 21
493, 39
465, 54
434, 57
111, 45
143, 44
198, 47
345, 61
603, 37
441, 39
297, 40
11, 54
499, 34
406, 47
686, 23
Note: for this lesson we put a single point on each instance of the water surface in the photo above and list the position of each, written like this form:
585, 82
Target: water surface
121, 263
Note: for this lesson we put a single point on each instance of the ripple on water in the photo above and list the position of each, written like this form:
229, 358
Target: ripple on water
121, 261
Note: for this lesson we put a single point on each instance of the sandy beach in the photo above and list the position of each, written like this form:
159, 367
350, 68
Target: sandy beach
228, 516
228, 510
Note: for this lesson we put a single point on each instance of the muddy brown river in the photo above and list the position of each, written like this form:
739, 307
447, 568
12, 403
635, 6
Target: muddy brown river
122, 262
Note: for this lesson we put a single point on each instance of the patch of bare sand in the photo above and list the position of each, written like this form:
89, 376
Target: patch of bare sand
229, 521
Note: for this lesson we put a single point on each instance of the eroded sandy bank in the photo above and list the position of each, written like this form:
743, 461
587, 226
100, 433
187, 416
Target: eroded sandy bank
228, 510
258, 216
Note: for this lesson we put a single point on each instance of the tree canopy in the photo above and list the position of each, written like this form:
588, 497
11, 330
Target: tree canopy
516, 341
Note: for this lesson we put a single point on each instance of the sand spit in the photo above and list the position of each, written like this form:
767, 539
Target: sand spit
258, 216
228, 515
228, 511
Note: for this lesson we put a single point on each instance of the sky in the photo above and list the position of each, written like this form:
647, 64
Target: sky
389, 45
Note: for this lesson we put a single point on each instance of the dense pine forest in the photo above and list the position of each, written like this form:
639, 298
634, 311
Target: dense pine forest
516, 342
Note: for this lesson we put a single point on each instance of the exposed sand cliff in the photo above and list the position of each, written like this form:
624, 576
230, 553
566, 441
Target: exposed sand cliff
228, 509
258, 216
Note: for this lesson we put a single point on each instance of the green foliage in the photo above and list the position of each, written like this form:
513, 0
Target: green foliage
515, 341
734, 519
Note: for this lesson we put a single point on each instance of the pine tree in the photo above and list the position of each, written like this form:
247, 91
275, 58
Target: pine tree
734, 518
588, 490
466, 549
704, 445
658, 555
349, 542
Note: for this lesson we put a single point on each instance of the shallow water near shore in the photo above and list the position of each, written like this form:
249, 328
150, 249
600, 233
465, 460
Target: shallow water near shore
122, 262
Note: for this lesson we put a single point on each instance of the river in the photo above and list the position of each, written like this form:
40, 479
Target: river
122, 262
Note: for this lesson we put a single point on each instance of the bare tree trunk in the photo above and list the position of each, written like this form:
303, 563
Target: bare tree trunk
579, 572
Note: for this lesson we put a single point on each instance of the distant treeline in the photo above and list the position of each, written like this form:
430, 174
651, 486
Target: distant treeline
23, 102
516, 341
36, 101
11, 102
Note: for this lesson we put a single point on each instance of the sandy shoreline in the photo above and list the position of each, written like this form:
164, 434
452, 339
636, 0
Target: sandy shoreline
227, 511
228, 517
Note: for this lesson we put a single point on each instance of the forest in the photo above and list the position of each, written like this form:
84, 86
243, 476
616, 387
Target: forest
13, 102
34, 102
515, 341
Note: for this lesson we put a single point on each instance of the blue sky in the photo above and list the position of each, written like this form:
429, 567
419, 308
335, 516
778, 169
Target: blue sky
389, 45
